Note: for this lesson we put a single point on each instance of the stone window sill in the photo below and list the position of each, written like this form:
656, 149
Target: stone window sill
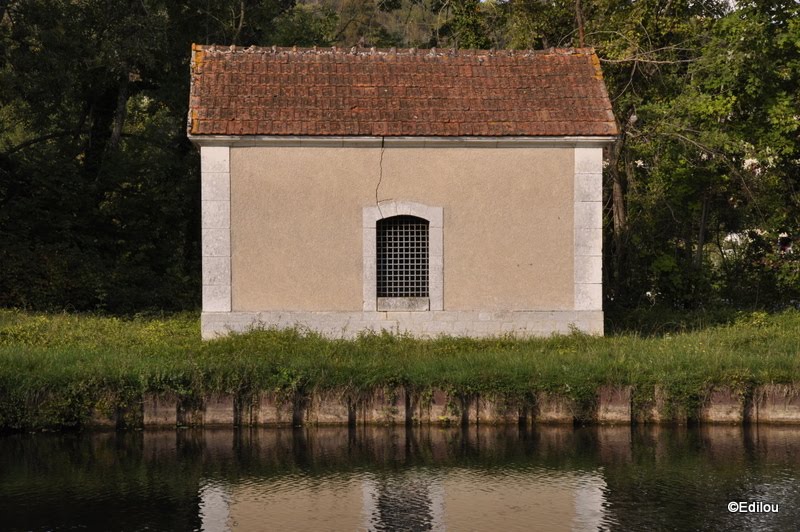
405, 304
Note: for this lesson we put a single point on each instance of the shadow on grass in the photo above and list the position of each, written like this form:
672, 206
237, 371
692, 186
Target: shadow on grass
659, 321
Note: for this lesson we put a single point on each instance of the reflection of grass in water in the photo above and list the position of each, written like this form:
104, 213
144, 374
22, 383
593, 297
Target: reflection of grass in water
683, 479
54, 367
170, 457
98, 481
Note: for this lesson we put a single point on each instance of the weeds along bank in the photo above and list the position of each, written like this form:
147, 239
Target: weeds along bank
67, 370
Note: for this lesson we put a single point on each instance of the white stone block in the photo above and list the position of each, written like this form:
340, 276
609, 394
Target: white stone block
369, 276
405, 308
589, 187
436, 296
216, 271
389, 326
435, 217
485, 328
370, 304
370, 216
216, 298
503, 315
370, 269
588, 160
467, 315
590, 322
436, 243
588, 297
460, 328
368, 242
216, 242
533, 326
421, 317
409, 208
215, 186
216, 214
387, 209
588, 242
589, 269
367, 316
588, 215
215, 159
438, 327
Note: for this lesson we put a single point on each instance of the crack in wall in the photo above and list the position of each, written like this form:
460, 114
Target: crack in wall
380, 176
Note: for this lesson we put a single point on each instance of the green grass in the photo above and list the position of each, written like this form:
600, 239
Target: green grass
55, 367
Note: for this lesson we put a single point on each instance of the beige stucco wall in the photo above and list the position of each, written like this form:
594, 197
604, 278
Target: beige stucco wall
296, 223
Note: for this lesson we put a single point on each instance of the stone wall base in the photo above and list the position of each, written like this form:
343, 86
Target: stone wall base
773, 404
474, 324
398, 405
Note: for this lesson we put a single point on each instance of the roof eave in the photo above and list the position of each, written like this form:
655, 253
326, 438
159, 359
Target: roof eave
398, 141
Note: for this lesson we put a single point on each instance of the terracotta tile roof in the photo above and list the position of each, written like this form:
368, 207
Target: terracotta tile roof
273, 91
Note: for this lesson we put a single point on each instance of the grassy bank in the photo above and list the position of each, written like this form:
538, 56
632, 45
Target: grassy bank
55, 368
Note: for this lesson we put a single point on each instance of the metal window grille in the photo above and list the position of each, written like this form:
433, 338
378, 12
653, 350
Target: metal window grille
402, 253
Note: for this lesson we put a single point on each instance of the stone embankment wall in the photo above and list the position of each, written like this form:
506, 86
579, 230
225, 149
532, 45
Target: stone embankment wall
775, 403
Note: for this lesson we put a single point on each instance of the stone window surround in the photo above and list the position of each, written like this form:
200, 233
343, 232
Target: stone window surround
388, 209
587, 241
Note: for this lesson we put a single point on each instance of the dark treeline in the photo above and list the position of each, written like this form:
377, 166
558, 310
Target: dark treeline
99, 186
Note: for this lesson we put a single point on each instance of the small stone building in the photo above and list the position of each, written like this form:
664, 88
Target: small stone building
420, 191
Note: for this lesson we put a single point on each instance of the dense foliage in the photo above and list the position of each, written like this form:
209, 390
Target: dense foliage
99, 187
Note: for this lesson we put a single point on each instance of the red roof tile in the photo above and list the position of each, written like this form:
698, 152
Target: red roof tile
274, 91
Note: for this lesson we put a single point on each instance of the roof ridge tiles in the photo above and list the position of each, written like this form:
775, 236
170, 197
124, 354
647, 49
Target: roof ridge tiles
367, 51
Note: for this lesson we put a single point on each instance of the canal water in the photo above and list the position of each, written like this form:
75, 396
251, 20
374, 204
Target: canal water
429, 478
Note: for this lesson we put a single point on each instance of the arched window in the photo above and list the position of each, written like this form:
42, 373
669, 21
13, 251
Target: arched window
402, 249
403, 262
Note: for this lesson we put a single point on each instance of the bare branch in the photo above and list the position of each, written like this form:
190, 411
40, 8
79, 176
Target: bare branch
61, 134
640, 59
42, 138
630, 82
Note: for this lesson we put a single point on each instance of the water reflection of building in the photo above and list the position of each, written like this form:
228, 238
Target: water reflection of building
406, 501
214, 506
426, 479
413, 500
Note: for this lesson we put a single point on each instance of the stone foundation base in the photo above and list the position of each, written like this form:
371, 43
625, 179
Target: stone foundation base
422, 324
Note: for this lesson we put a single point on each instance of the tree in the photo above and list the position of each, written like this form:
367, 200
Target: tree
100, 191
99, 186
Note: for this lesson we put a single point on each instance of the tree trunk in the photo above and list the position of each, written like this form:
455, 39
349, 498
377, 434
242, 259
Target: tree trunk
618, 210
580, 24
119, 115
102, 109
701, 235
617, 274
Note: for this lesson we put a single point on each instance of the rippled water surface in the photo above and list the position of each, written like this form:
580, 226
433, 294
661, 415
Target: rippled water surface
545, 478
